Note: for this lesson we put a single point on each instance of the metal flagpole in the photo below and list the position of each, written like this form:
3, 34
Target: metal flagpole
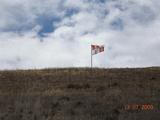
91, 56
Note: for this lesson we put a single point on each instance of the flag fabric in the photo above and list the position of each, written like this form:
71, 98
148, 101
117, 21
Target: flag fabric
95, 49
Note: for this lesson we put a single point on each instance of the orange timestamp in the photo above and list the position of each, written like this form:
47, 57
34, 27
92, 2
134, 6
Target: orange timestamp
139, 107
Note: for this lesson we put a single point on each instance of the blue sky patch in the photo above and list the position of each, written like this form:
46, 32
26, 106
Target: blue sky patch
71, 11
47, 24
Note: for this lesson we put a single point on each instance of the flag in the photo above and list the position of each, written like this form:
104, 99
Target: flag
95, 49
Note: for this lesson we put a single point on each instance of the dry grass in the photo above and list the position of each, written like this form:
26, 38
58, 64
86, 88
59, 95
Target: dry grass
79, 94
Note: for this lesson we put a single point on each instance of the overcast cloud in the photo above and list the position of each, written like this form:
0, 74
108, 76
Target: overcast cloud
58, 33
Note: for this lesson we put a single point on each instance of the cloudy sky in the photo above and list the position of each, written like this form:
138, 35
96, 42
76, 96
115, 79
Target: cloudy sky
58, 33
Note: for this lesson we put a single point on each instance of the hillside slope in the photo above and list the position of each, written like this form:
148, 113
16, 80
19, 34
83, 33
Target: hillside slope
80, 94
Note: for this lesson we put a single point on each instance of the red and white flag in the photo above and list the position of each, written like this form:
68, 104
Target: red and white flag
95, 49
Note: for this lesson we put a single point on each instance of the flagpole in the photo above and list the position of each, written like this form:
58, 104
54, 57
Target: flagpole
91, 56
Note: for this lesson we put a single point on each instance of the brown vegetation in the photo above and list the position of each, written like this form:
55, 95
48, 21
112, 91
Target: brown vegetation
79, 94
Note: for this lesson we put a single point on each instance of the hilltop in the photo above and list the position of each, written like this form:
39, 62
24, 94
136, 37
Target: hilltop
80, 94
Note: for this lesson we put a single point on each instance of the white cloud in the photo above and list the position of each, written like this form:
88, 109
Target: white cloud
135, 45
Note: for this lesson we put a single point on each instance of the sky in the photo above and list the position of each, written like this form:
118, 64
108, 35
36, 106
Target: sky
58, 33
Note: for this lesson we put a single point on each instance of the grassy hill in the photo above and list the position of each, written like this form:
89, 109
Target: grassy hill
80, 94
